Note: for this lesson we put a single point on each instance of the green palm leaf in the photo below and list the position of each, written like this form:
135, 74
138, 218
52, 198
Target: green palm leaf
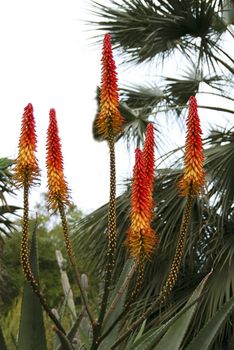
145, 29
206, 337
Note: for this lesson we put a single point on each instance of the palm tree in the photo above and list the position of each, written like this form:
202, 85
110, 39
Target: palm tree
195, 33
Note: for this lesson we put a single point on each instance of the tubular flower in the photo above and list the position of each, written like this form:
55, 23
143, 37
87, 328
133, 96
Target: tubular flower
109, 118
141, 237
148, 153
26, 163
57, 185
193, 177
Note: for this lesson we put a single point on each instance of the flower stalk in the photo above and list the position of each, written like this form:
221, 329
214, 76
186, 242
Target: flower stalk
108, 124
26, 174
190, 185
58, 195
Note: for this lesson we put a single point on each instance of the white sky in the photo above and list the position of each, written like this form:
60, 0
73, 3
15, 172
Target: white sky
46, 60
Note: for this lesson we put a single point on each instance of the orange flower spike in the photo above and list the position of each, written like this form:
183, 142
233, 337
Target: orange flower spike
109, 116
140, 193
57, 185
141, 237
148, 153
26, 163
194, 176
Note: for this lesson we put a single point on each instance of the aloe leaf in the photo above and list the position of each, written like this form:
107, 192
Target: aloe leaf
66, 345
135, 336
32, 330
139, 334
174, 336
60, 318
114, 313
73, 331
84, 339
2, 341
156, 335
208, 333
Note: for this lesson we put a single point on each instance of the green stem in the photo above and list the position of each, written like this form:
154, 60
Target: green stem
25, 259
72, 258
112, 237
173, 273
139, 281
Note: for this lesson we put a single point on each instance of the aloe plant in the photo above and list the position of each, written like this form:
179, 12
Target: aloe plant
116, 304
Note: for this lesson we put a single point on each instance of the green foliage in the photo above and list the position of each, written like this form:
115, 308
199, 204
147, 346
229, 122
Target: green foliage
50, 238
209, 243
116, 307
6, 189
170, 334
10, 323
209, 332
2, 341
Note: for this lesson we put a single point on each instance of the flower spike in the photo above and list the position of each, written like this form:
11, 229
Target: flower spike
193, 177
26, 173
26, 163
109, 117
141, 237
190, 185
149, 159
57, 185
107, 126
149, 154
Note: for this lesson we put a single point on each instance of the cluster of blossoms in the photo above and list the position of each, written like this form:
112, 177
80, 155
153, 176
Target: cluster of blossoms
193, 178
109, 119
57, 185
27, 170
141, 237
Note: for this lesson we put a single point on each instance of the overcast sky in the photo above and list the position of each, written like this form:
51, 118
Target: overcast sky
47, 60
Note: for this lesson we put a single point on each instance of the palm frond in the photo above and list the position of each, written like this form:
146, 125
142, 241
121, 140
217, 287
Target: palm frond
178, 90
135, 121
145, 29
220, 169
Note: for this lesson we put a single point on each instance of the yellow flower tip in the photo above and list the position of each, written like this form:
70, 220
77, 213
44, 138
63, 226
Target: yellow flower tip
57, 185
142, 243
109, 117
26, 168
193, 178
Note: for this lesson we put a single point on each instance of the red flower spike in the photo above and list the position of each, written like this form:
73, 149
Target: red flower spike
148, 153
141, 238
109, 117
57, 185
26, 163
193, 177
